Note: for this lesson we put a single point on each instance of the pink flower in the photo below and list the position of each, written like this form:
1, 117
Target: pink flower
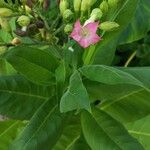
85, 35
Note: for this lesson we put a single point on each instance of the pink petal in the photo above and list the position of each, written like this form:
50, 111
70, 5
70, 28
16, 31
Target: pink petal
76, 31
84, 42
94, 39
92, 26
77, 25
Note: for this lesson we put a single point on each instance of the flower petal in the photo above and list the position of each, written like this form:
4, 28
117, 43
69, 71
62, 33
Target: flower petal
84, 42
92, 26
76, 31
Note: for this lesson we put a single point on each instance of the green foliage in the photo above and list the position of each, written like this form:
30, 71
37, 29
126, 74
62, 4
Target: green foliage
58, 100
103, 132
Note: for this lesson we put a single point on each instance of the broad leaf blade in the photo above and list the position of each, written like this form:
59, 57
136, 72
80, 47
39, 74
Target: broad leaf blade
135, 32
43, 130
70, 134
141, 131
76, 96
108, 134
20, 98
8, 132
35, 64
109, 75
105, 50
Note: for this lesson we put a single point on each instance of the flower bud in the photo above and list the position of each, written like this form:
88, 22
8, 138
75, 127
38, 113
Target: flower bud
104, 7
68, 28
5, 24
108, 26
23, 20
16, 41
67, 15
96, 14
77, 5
5, 12
63, 6
113, 3
2, 49
84, 5
91, 2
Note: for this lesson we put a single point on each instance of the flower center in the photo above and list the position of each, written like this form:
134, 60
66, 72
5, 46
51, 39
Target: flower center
84, 32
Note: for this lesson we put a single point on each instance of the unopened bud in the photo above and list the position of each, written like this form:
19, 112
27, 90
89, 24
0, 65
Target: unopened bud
84, 5
67, 15
5, 12
2, 49
91, 2
23, 20
63, 6
104, 6
77, 5
108, 26
16, 41
96, 14
68, 28
5, 24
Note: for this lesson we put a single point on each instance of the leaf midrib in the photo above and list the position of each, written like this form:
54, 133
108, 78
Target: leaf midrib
24, 94
119, 99
40, 126
139, 133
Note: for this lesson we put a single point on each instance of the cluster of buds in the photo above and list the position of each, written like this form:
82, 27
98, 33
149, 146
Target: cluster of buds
83, 6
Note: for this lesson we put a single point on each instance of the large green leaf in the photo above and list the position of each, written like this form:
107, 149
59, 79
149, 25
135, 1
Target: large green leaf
43, 130
76, 96
70, 134
8, 132
35, 64
105, 50
123, 102
141, 130
109, 75
103, 132
135, 31
20, 98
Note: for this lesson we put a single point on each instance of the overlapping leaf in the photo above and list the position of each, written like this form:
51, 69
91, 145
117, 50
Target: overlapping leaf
135, 31
141, 130
76, 96
105, 50
20, 98
9, 129
35, 64
43, 130
103, 132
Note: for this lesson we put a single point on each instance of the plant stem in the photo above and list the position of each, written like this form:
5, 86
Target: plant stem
130, 59
89, 55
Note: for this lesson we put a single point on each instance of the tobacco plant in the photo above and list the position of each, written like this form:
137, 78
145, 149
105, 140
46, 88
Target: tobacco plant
74, 74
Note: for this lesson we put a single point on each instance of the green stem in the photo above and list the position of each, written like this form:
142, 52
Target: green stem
130, 59
89, 55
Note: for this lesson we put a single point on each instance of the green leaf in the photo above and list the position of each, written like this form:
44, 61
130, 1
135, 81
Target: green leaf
35, 64
141, 131
80, 144
76, 96
20, 98
5, 36
105, 50
43, 130
8, 132
103, 132
68, 139
135, 32
117, 99
109, 75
